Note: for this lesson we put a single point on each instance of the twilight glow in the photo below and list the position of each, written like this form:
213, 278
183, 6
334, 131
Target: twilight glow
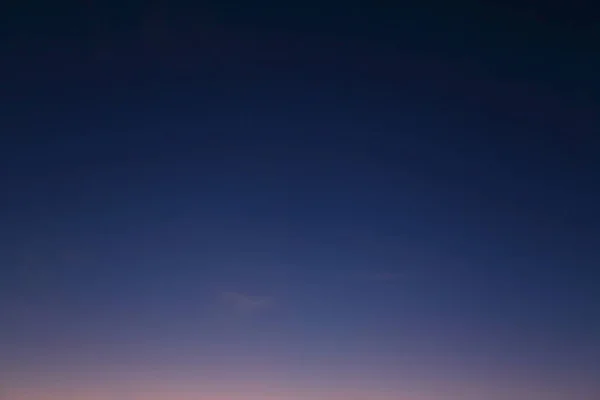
327, 201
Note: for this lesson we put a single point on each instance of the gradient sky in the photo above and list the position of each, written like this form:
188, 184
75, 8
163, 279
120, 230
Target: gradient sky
313, 202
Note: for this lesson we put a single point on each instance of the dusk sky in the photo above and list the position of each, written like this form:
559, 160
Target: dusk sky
299, 201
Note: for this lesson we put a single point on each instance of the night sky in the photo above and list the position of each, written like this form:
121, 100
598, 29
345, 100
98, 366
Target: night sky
299, 201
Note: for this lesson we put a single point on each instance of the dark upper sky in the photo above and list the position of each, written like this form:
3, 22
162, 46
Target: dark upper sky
299, 201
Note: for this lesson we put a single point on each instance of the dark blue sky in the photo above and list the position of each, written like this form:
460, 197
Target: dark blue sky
315, 201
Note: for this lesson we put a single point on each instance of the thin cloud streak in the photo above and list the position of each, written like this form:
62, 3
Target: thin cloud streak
386, 276
242, 302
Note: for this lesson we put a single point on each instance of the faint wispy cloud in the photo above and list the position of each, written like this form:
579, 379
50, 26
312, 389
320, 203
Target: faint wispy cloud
242, 302
386, 276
